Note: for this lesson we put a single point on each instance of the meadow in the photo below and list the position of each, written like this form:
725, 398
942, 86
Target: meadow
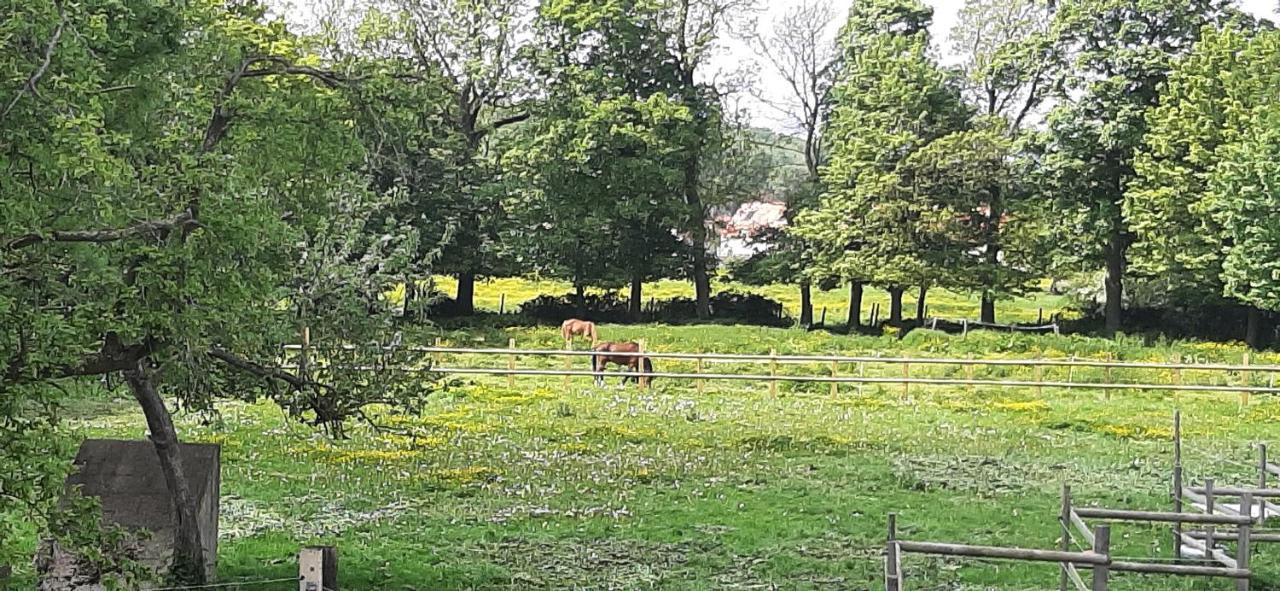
548, 485
489, 296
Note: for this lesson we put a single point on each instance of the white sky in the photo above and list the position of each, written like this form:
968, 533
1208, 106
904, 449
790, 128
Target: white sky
736, 54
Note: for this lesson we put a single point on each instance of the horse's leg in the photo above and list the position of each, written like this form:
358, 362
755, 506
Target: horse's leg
595, 368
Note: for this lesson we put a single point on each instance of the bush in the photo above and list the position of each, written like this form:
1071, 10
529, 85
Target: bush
596, 308
726, 306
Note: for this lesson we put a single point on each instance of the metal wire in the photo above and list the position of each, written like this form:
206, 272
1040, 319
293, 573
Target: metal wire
227, 584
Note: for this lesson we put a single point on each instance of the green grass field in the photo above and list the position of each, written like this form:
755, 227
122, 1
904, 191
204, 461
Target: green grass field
940, 302
548, 486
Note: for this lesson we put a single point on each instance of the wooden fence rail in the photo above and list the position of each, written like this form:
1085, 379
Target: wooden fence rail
829, 372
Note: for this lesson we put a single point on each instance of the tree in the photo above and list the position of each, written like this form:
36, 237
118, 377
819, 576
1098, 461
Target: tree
1246, 193
165, 210
1122, 53
691, 29
1011, 64
602, 159
796, 50
890, 101
1170, 205
472, 45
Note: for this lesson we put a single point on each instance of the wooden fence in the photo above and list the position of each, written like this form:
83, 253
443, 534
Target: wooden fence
1244, 379
1196, 534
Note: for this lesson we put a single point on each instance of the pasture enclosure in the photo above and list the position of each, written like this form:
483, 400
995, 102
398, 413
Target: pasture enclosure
1071, 373
1081, 546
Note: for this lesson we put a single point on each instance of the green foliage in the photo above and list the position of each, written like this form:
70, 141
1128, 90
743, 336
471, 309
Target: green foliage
1245, 191
1211, 102
890, 101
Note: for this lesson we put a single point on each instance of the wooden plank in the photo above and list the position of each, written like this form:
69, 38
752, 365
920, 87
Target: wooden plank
1159, 516
892, 557
1178, 569
1064, 536
1228, 491
1074, 576
1242, 546
998, 552
1082, 527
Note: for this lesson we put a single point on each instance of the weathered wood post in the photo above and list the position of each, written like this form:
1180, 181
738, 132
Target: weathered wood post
968, 374
1244, 379
1107, 376
1209, 541
1242, 541
964, 327
1262, 480
643, 380
1040, 318
1177, 379
511, 362
773, 372
1039, 369
304, 356
835, 390
318, 568
862, 373
823, 321
436, 356
502, 303
892, 557
1064, 519
1177, 482
1102, 546
697, 368
1071, 369
906, 375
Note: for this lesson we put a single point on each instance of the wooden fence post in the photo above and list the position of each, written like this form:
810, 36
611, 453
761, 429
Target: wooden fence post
1244, 378
697, 368
968, 374
1101, 545
304, 358
318, 568
1242, 540
1262, 480
1208, 509
1039, 369
1177, 482
862, 373
906, 375
823, 322
1177, 379
502, 303
835, 391
964, 327
1110, 358
1071, 370
773, 372
511, 363
641, 382
892, 558
1064, 518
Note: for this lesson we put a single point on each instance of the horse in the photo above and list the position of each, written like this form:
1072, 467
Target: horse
574, 327
632, 362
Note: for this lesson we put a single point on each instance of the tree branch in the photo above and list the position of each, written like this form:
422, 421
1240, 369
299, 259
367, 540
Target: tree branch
220, 121
154, 228
262, 371
30, 84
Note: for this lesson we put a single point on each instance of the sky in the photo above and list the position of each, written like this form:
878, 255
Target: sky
736, 54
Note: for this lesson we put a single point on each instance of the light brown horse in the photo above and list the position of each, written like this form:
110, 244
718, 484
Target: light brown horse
573, 327
631, 362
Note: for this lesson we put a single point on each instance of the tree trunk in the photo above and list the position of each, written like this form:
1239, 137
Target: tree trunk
1115, 258
988, 314
1253, 328
466, 293
855, 305
410, 294
635, 301
806, 304
895, 306
580, 292
920, 305
188, 553
701, 275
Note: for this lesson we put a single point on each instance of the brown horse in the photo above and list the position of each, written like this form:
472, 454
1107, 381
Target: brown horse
632, 362
573, 327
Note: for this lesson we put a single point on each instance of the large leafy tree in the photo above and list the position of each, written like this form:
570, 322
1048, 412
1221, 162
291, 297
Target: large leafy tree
1245, 192
1011, 64
183, 171
691, 31
1210, 102
602, 158
891, 100
797, 51
1121, 54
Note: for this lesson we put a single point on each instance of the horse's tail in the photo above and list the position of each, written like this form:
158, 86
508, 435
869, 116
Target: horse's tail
591, 332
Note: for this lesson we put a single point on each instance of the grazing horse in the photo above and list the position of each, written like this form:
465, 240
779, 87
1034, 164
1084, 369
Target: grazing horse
573, 327
632, 362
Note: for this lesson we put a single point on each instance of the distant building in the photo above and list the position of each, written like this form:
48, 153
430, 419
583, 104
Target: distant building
739, 233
